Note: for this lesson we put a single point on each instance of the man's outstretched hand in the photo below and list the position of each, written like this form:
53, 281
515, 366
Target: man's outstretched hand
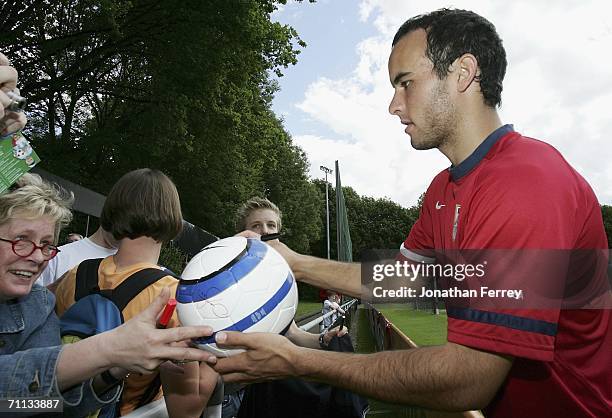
267, 357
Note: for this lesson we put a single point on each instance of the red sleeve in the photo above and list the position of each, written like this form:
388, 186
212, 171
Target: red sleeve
419, 244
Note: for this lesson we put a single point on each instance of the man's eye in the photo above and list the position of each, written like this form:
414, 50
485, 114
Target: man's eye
405, 83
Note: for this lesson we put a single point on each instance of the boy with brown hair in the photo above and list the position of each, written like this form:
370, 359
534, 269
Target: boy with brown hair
142, 211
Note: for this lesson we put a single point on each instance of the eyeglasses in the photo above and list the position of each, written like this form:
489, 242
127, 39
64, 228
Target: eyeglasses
25, 248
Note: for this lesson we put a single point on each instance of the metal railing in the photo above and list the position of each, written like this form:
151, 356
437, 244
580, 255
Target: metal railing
311, 324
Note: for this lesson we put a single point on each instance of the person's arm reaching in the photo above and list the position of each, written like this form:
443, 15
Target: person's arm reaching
310, 340
449, 377
326, 274
337, 307
187, 388
136, 346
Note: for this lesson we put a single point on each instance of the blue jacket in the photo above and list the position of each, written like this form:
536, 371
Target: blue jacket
29, 350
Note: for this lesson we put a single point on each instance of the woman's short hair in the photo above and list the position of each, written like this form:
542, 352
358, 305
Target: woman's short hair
253, 204
33, 197
143, 202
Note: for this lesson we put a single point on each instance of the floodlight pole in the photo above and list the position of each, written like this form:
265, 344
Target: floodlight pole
327, 171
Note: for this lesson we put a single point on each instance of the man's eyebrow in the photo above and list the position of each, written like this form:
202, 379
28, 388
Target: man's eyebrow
399, 76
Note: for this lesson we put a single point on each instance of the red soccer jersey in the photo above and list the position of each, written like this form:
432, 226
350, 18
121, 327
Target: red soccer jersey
515, 192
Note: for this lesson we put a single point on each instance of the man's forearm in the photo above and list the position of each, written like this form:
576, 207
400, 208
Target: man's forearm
327, 274
449, 377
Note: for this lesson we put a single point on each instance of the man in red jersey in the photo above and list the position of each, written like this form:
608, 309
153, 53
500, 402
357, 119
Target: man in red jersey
503, 191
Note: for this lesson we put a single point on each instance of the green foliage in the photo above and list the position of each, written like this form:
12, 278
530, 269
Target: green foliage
606, 212
172, 258
308, 292
185, 87
374, 223
287, 185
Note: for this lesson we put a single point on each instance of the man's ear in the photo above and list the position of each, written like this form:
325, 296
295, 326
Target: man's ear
467, 71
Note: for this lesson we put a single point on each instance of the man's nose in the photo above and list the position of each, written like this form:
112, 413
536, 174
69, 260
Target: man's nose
396, 106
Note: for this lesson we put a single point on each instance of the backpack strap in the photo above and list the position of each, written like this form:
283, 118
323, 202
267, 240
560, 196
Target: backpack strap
122, 295
133, 285
87, 278
87, 284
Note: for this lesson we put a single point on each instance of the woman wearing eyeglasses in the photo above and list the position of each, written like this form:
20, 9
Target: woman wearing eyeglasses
31, 216
33, 363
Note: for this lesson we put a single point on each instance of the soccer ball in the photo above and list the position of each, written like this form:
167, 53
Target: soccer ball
237, 284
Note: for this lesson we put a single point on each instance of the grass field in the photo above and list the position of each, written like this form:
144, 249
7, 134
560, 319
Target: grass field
364, 343
308, 307
422, 327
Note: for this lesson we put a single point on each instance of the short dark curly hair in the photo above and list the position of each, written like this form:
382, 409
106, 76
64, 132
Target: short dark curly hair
454, 32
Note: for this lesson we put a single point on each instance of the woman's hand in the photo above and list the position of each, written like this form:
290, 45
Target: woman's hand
138, 346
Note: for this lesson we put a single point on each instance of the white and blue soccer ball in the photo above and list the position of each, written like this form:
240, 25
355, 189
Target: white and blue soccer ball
237, 284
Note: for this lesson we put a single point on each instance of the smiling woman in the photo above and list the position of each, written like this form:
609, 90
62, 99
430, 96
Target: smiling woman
32, 213
30, 219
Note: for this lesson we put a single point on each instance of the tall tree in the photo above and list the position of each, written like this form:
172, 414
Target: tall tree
287, 184
182, 86
374, 223
606, 212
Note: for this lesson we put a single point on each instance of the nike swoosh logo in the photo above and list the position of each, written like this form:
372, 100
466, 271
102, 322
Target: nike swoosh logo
439, 206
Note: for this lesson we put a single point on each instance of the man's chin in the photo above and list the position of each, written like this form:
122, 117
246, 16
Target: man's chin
421, 146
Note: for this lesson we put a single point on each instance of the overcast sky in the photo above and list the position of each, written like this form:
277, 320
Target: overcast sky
558, 88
